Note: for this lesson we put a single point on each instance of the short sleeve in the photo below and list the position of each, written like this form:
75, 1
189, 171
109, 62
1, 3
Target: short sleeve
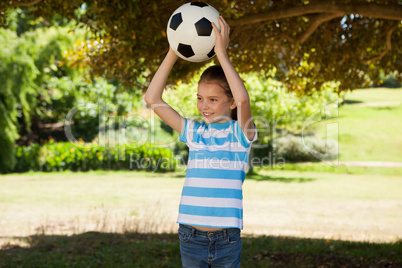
244, 141
190, 127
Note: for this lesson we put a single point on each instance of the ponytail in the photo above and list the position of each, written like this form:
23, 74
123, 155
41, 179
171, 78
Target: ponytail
234, 114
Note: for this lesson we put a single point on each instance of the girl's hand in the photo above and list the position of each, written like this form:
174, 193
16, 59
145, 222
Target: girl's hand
172, 53
222, 36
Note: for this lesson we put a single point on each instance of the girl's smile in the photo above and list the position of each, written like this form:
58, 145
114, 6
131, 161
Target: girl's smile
207, 114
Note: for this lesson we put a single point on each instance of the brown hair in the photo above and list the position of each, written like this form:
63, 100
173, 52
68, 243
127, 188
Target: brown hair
215, 74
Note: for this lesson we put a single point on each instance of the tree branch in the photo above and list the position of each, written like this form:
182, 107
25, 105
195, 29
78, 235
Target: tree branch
21, 4
388, 47
315, 22
388, 12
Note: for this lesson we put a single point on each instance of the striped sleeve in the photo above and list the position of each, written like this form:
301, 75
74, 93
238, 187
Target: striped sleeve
244, 141
188, 131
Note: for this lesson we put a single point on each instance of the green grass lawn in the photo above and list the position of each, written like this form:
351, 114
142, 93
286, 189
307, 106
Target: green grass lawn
126, 219
375, 95
368, 133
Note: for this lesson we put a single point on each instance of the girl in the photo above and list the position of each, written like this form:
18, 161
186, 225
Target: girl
211, 209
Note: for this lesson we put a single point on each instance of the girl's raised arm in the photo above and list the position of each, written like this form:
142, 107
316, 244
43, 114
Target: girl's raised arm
236, 85
153, 96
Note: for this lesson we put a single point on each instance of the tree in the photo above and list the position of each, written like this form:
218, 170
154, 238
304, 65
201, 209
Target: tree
16, 72
37, 93
350, 41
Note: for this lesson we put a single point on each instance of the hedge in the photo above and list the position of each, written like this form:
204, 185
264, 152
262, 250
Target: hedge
80, 156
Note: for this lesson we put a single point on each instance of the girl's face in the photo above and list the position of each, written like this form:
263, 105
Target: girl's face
214, 105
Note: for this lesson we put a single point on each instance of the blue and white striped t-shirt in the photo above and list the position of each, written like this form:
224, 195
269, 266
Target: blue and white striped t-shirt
217, 164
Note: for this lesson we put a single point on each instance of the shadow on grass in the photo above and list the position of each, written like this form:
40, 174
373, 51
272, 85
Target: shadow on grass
386, 108
351, 102
259, 177
94, 249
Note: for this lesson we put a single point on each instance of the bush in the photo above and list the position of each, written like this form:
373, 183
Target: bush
181, 151
390, 80
60, 156
292, 149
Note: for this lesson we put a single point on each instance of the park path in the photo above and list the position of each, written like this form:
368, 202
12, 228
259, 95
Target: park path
370, 164
358, 163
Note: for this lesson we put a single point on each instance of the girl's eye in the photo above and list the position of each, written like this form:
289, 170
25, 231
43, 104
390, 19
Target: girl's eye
213, 99
198, 98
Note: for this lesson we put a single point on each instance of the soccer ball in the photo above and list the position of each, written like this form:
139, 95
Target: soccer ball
190, 33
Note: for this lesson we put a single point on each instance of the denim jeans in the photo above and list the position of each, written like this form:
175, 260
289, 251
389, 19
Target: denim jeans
209, 249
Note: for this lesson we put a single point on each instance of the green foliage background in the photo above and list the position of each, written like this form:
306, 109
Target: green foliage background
37, 88
17, 91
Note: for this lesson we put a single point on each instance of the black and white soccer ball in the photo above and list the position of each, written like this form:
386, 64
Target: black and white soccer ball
190, 33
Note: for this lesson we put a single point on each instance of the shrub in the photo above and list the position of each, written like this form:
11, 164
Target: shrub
390, 80
292, 149
59, 156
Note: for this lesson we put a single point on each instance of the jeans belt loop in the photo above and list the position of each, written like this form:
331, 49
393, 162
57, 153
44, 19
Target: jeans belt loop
192, 232
225, 233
